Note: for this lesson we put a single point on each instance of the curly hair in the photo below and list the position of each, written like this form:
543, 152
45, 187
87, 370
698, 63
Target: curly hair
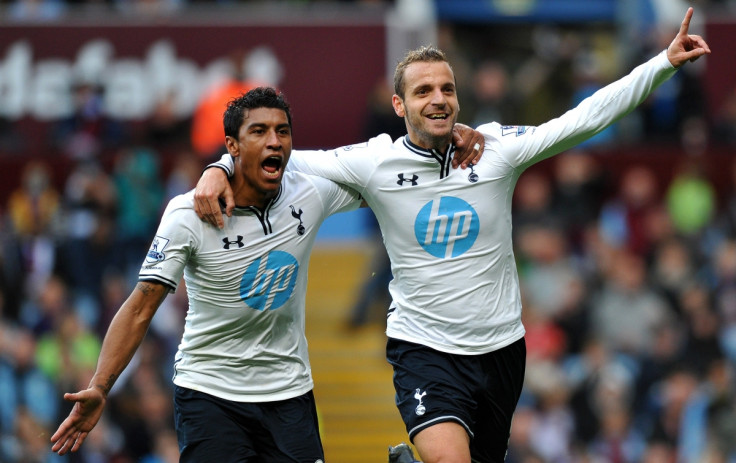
259, 97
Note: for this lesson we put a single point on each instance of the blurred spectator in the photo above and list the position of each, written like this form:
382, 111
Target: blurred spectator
34, 208
521, 449
549, 272
724, 124
691, 199
462, 66
494, 98
703, 344
553, 428
29, 399
723, 266
87, 132
34, 205
43, 308
669, 399
141, 402
532, 204
726, 220
665, 357
598, 378
709, 419
673, 269
721, 416
90, 208
618, 441
183, 175
241, 73
28, 442
68, 354
164, 128
623, 219
626, 311
380, 116
165, 448
579, 188
545, 341
553, 287
139, 193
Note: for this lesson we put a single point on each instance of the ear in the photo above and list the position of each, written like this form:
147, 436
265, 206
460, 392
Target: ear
232, 146
398, 105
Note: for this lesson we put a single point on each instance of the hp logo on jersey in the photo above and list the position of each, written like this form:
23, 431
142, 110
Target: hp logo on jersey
446, 227
269, 281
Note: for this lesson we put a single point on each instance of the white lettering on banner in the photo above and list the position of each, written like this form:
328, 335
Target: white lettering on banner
132, 86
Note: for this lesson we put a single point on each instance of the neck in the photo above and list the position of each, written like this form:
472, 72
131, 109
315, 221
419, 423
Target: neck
245, 195
432, 143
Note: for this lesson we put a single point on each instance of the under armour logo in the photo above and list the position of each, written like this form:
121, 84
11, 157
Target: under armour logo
421, 409
473, 177
413, 179
298, 215
238, 241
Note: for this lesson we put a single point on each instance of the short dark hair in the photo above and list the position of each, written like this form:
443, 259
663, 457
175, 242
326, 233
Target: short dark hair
259, 97
425, 54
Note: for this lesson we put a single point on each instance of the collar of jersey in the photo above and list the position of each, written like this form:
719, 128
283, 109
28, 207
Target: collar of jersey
269, 205
428, 153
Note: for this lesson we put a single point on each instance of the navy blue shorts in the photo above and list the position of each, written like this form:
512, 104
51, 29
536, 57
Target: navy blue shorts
479, 392
215, 430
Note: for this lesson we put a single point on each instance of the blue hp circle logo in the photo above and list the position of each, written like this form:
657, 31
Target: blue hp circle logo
269, 281
446, 227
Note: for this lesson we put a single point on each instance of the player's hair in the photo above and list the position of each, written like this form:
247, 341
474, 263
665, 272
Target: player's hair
425, 54
259, 97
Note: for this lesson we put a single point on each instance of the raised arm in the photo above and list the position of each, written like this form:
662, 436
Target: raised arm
686, 47
123, 337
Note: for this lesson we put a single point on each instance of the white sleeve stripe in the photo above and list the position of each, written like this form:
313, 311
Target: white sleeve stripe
158, 279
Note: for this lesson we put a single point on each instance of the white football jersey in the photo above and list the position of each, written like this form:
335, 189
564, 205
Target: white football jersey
448, 231
246, 283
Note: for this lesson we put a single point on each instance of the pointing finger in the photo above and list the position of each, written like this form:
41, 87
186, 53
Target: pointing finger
686, 22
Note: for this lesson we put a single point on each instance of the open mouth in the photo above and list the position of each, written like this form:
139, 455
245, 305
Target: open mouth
440, 117
272, 165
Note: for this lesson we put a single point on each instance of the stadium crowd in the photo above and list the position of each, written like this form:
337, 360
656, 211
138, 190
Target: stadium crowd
628, 279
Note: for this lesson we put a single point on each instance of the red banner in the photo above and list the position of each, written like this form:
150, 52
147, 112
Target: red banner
328, 71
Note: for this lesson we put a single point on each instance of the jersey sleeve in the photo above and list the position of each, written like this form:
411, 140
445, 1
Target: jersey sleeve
523, 146
172, 246
350, 165
335, 197
225, 163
